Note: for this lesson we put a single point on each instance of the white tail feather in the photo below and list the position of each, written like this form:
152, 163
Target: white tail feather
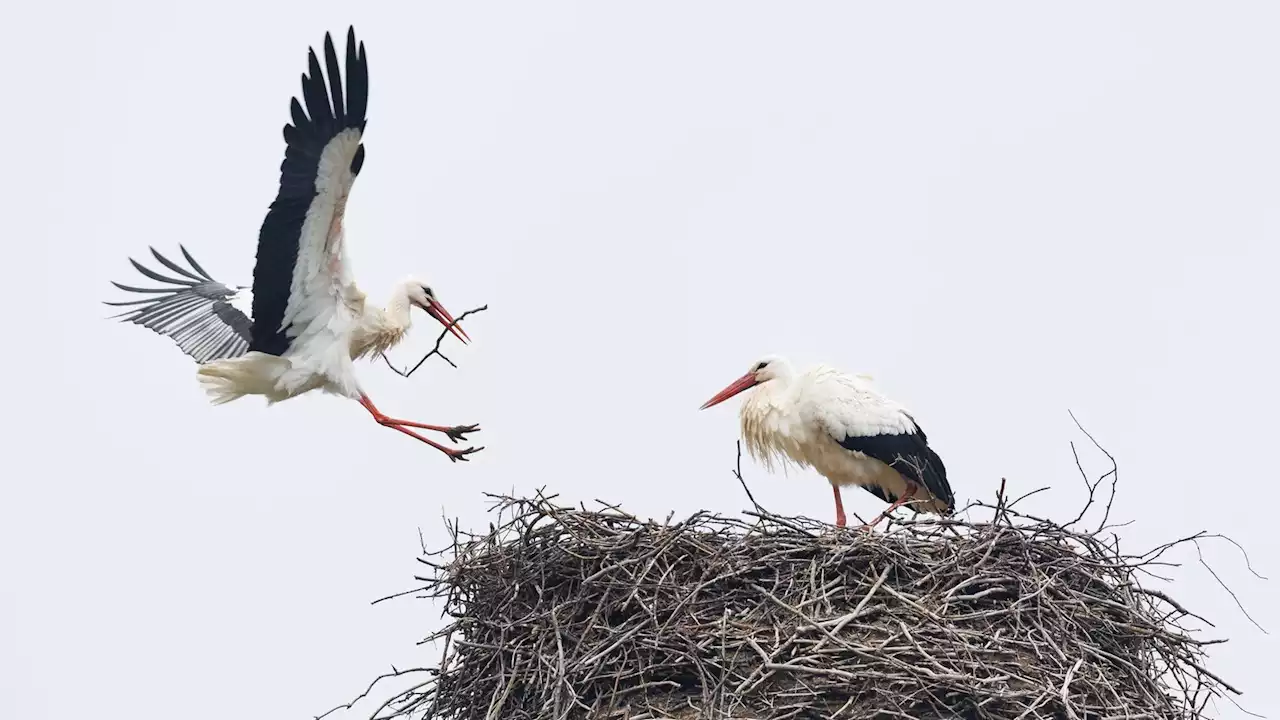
252, 374
220, 389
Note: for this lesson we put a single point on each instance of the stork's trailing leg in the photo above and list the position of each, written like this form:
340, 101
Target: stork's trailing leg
455, 433
911, 491
840, 519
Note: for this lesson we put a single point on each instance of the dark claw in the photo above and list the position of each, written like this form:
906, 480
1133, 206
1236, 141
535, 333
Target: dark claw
458, 433
461, 455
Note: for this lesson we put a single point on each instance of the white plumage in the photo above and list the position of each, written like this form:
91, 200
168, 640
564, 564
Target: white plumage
841, 426
310, 321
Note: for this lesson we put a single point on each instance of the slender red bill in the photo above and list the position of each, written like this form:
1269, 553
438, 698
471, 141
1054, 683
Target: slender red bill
437, 311
742, 383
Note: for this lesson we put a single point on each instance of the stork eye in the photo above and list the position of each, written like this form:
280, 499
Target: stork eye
760, 366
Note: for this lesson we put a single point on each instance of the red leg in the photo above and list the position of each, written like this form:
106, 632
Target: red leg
911, 491
454, 433
840, 519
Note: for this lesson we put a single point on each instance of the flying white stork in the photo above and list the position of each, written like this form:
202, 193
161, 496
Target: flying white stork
839, 425
310, 321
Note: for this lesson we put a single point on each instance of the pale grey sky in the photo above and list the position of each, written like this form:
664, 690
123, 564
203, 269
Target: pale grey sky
1001, 212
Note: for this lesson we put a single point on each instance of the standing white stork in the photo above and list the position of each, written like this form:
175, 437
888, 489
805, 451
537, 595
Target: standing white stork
839, 425
310, 320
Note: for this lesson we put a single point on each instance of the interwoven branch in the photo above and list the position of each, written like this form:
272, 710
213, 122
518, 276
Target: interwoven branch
563, 612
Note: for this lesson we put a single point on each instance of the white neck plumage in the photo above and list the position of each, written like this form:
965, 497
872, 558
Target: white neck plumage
397, 313
383, 329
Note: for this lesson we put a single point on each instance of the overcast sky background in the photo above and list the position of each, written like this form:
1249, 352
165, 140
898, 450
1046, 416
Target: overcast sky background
1001, 212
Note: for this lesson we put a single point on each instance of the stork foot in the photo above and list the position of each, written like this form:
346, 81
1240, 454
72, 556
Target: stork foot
879, 519
461, 455
455, 455
454, 433
459, 433
911, 491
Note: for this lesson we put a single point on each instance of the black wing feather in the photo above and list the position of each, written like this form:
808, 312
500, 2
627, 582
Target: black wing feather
157, 276
131, 288
195, 265
357, 81
316, 93
910, 455
196, 315
305, 138
176, 267
335, 80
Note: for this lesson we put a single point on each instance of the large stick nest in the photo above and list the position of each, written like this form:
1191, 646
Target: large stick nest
563, 612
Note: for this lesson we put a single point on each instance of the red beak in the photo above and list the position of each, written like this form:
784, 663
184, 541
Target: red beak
737, 386
437, 311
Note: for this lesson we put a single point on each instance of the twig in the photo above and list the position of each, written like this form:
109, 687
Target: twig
1200, 556
1066, 684
1113, 473
348, 705
435, 350
737, 472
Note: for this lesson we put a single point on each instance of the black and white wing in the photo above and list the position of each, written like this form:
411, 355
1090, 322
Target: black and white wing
909, 453
196, 311
862, 420
301, 269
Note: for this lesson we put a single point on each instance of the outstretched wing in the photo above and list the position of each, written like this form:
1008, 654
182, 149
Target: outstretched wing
301, 268
862, 420
196, 311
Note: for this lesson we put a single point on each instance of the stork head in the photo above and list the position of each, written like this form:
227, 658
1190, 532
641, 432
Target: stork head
770, 367
421, 295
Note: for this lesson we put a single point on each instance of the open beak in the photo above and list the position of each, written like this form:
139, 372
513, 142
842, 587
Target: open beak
737, 386
437, 311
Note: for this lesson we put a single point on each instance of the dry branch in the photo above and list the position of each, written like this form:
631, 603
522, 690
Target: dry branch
435, 350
